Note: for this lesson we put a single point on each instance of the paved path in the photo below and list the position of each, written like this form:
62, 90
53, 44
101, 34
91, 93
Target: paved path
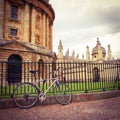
107, 109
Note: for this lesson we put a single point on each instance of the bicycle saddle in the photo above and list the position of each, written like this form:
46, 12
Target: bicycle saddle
33, 71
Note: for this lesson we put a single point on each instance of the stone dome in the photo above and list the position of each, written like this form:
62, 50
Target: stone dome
95, 49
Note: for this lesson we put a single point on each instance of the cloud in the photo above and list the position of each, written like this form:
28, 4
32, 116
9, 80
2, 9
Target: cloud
80, 22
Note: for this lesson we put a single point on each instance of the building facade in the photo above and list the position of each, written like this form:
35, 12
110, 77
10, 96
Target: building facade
25, 36
92, 68
98, 54
67, 57
26, 30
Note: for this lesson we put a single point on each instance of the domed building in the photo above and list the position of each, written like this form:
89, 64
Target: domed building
99, 53
26, 30
77, 68
25, 36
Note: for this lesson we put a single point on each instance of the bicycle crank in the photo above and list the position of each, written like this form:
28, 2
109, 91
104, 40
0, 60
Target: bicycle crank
42, 97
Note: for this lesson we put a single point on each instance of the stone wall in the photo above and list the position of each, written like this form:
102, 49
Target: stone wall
34, 25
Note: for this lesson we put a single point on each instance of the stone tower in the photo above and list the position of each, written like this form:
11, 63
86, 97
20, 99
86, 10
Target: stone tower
60, 51
87, 54
73, 54
67, 53
109, 57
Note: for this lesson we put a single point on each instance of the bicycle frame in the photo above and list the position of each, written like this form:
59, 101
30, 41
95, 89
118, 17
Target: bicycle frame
43, 81
49, 86
30, 97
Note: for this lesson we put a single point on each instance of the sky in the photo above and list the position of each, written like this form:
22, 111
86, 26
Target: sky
78, 23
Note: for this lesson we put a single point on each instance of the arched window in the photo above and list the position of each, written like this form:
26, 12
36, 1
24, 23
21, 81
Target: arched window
14, 69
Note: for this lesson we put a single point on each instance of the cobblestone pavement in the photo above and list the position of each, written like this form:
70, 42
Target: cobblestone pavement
107, 109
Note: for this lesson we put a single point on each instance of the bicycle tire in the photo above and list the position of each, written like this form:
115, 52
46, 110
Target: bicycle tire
62, 93
25, 95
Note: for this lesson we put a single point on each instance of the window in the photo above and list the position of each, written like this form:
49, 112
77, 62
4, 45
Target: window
14, 12
13, 32
103, 55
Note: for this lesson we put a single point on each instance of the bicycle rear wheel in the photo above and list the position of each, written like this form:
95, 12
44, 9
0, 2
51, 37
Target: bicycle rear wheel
25, 95
62, 93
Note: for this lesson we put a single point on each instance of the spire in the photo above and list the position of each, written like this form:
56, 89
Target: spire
73, 53
67, 53
98, 42
60, 45
97, 38
109, 49
87, 48
109, 53
60, 50
77, 56
82, 57
87, 53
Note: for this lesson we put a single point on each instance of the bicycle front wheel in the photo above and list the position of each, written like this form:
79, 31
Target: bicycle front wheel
62, 93
25, 95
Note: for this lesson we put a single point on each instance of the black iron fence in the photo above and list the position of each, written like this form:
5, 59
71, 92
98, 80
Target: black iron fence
80, 77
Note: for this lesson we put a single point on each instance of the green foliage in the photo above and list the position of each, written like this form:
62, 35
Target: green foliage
76, 88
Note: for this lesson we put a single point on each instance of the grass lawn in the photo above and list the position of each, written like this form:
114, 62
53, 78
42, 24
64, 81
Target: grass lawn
76, 88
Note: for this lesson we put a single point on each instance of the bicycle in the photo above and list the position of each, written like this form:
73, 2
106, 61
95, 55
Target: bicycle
27, 94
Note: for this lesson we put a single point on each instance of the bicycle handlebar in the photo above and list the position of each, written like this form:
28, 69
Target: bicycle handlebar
53, 72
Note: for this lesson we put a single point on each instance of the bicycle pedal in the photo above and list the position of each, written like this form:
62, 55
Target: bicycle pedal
11, 95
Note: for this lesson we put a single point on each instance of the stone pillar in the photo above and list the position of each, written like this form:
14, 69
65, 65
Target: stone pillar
33, 26
51, 41
26, 23
47, 32
1, 18
44, 29
41, 29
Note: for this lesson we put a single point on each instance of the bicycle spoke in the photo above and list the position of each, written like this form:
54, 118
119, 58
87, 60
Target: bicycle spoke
62, 94
25, 95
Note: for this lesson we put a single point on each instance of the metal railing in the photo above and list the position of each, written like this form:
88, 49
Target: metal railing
79, 76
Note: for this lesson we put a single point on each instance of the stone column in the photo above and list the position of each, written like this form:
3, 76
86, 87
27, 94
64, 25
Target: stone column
41, 29
47, 32
51, 39
33, 21
26, 23
1, 18
44, 29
